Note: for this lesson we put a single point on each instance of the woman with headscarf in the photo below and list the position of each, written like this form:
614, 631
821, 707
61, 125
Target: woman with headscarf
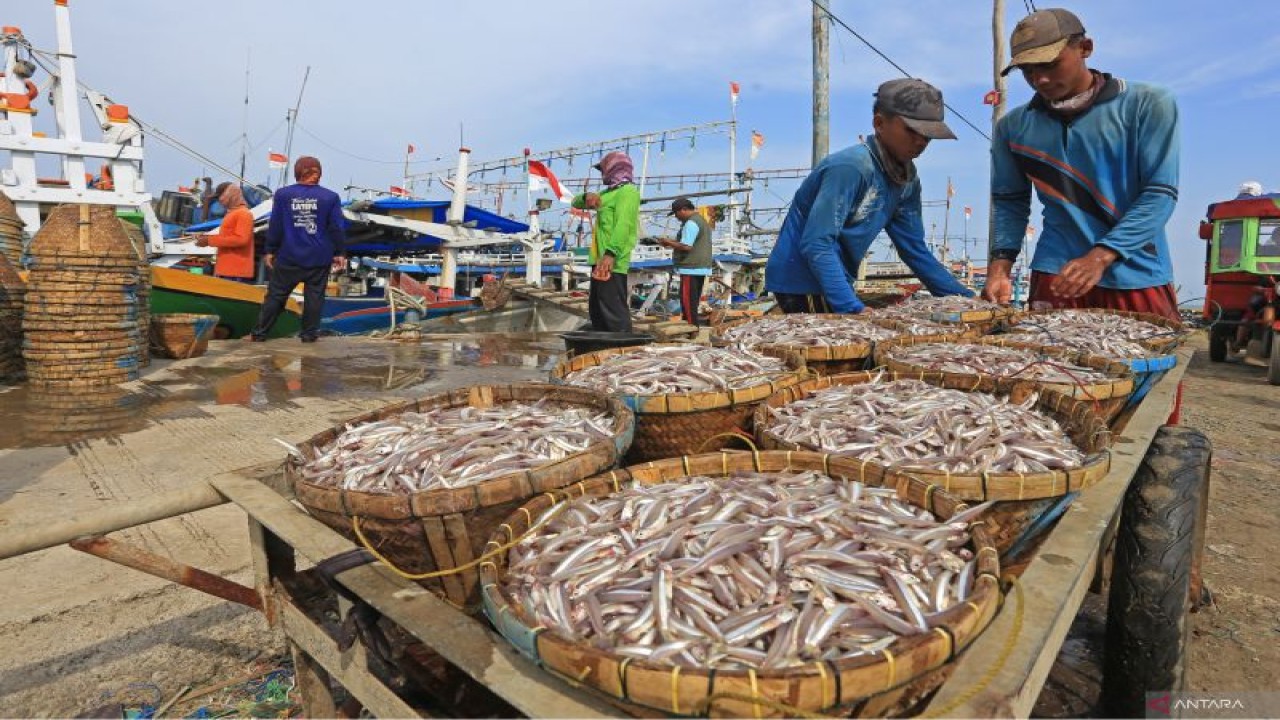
614, 237
235, 237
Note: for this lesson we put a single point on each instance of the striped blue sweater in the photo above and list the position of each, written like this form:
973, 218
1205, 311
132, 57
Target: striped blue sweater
1108, 177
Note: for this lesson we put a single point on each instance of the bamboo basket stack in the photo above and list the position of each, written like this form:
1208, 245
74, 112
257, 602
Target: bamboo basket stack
12, 291
139, 243
84, 300
10, 231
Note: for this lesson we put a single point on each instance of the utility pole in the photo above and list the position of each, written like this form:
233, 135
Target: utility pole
997, 109
821, 83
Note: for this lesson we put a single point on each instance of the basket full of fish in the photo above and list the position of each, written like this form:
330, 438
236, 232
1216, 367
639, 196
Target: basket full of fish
771, 584
997, 363
973, 316
1143, 341
687, 398
1024, 449
423, 483
829, 343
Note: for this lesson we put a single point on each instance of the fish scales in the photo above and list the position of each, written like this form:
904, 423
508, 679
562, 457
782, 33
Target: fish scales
1114, 336
1004, 362
680, 368
803, 330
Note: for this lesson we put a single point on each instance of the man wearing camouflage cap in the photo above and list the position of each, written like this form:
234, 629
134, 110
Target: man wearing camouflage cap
1102, 155
850, 197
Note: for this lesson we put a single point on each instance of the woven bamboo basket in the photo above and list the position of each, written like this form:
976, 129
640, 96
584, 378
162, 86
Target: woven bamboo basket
871, 686
821, 359
1109, 396
438, 530
12, 301
1164, 344
10, 231
181, 335
687, 423
1022, 496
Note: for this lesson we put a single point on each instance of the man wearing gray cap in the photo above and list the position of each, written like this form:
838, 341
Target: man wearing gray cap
850, 197
1102, 155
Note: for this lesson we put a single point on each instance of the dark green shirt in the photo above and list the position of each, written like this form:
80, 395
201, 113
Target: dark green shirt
700, 256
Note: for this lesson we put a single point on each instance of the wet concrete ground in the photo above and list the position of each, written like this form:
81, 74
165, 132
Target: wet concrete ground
272, 375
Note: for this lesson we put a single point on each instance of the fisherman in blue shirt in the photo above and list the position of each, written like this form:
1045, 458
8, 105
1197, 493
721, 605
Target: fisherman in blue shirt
850, 197
1102, 155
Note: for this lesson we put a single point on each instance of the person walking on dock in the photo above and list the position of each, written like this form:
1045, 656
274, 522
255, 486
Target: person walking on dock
305, 238
1102, 154
235, 236
691, 255
850, 197
612, 241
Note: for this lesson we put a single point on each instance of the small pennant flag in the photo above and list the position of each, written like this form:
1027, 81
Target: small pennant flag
399, 191
733, 92
541, 178
757, 142
951, 189
276, 160
411, 148
991, 98
968, 212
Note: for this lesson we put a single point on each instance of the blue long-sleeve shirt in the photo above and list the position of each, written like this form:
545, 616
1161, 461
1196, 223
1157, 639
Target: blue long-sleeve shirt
835, 216
1108, 177
307, 226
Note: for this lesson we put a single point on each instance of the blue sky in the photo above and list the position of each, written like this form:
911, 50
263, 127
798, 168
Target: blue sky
544, 75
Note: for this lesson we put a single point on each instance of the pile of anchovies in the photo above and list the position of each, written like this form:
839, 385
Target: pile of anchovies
758, 570
918, 314
1114, 336
911, 424
452, 448
1004, 362
667, 369
807, 330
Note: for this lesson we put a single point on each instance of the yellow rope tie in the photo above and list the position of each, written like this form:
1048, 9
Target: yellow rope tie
828, 690
946, 480
1022, 484
893, 669
1009, 643
862, 471
755, 691
528, 517
724, 463
622, 677
755, 456
364, 542
951, 642
510, 531
613, 477
675, 690
684, 460
928, 497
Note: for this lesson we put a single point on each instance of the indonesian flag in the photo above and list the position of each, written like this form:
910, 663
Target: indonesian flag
757, 142
397, 191
968, 212
411, 149
276, 160
733, 92
541, 178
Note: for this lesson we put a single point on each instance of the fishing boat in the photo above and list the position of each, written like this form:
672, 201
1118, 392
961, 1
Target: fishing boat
177, 290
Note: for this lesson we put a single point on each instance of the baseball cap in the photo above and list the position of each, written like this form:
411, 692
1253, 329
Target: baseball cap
918, 103
681, 204
1041, 36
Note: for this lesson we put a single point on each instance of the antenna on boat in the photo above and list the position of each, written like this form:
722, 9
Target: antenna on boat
244, 124
293, 122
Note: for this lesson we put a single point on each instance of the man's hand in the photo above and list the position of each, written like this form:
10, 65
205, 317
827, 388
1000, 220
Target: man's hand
270, 260
339, 264
603, 269
999, 286
202, 241
1080, 275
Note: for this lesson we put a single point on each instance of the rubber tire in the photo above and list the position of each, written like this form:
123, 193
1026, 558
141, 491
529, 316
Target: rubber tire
1273, 367
1147, 626
1218, 343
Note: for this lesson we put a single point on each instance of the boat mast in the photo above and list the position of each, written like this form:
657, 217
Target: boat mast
821, 83
997, 108
244, 123
293, 122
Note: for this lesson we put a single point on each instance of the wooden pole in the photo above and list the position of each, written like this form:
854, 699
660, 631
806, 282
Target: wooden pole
821, 83
997, 110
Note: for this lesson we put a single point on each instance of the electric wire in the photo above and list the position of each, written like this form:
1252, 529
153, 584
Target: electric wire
836, 19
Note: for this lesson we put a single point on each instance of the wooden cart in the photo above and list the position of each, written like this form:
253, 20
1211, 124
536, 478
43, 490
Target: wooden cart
1000, 675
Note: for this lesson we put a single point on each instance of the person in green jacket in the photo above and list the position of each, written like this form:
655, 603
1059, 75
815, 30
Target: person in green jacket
614, 237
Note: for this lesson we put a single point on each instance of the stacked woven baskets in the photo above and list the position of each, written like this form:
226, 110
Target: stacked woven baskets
85, 295
10, 231
12, 290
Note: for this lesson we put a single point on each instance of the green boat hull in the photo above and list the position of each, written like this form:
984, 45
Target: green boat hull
236, 304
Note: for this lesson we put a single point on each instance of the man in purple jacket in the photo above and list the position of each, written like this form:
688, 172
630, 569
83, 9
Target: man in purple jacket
303, 240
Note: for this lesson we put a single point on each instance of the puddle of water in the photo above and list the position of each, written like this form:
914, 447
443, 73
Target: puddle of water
276, 374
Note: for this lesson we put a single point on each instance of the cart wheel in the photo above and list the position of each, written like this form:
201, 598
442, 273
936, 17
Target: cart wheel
1218, 343
1273, 367
1147, 626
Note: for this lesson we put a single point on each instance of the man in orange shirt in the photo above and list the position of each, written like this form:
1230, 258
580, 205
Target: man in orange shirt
235, 237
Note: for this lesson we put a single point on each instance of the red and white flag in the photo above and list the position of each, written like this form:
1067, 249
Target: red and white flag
397, 191
276, 160
968, 212
411, 149
541, 178
733, 92
757, 142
